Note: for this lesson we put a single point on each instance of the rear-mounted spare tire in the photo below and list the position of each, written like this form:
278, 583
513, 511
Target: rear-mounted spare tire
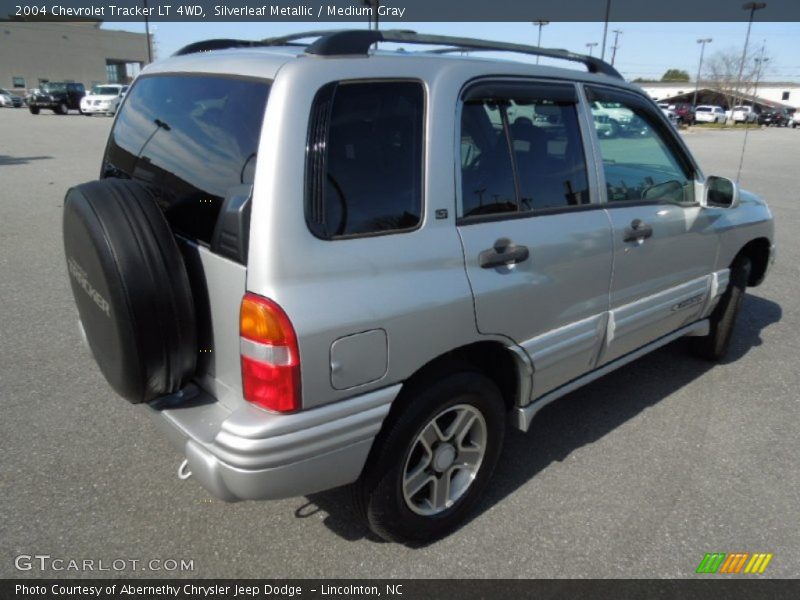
131, 288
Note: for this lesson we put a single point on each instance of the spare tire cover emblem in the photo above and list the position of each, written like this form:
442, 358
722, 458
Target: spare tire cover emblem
79, 275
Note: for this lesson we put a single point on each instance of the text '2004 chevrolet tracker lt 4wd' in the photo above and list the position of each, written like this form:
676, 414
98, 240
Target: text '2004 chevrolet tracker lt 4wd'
323, 264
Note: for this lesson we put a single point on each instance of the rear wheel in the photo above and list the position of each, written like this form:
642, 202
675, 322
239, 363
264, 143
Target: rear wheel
34, 110
714, 346
61, 109
435, 460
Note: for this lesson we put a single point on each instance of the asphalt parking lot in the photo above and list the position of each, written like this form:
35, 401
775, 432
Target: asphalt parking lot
637, 475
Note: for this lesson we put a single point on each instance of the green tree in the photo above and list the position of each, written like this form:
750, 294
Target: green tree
675, 75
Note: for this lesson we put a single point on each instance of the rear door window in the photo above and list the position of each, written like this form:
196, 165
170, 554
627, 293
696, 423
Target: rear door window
521, 150
364, 159
190, 138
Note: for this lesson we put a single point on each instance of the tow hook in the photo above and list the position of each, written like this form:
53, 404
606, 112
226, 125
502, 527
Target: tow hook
183, 470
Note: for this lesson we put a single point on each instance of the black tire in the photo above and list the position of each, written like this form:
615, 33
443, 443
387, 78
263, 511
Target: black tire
714, 346
379, 494
34, 110
61, 109
131, 288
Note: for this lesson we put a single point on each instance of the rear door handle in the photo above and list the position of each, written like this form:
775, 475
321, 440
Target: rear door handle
638, 231
505, 252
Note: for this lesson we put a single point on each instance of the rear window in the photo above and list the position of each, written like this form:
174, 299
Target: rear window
190, 139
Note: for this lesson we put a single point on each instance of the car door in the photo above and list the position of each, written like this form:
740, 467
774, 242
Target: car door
665, 244
537, 243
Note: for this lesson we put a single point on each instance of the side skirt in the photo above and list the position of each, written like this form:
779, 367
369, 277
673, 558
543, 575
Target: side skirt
524, 415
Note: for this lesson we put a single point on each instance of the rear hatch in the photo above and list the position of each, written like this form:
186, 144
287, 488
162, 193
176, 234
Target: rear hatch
192, 139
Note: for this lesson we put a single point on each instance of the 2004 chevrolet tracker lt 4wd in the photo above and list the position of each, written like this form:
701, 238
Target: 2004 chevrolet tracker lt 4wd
321, 264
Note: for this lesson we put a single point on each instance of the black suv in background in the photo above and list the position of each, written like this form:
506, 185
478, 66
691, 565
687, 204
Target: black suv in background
60, 97
775, 116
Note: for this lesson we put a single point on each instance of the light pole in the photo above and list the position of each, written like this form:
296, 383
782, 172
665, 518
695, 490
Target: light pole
617, 33
605, 30
703, 42
590, 46
752, 7
540, 24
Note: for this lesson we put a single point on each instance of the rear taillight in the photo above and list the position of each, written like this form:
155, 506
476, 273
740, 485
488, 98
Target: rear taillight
270, 358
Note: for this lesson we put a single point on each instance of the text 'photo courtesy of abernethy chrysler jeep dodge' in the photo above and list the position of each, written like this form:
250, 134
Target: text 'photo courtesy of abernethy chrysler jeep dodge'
324, 264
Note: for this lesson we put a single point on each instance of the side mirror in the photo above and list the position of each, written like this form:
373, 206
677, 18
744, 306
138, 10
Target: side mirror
721, 192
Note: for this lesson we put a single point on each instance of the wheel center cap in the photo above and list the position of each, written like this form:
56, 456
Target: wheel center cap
444, 457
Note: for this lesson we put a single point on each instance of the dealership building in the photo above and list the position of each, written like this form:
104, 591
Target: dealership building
769, 93
34, 52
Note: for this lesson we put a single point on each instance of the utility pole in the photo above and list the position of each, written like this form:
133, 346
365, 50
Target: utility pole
590, 46
374, 5
616, 33
539, 39
762, 63
605, 30
147, 34
703, 42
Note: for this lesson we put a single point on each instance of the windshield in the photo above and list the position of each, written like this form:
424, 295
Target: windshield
105, 90
703, 109
6, 92
54, 87
741, 108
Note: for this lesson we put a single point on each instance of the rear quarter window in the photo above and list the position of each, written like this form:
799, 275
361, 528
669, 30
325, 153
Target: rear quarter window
190, 139
364, 163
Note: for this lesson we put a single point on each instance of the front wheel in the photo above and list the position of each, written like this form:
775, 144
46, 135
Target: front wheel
34, 110
426, 474
714, 346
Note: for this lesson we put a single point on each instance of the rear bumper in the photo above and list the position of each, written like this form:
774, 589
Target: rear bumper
252, 454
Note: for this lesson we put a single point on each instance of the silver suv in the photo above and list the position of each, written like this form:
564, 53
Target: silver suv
319, 264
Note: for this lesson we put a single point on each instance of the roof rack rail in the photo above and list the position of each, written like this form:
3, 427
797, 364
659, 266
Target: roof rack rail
208, 45
359, 41
223, 44
343, 42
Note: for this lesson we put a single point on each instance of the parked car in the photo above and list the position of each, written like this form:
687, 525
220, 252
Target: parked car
103, 99
9, 100
612, 115
60, 97
684, 113
670, 114
780, 117
709, 114
358, 270
744, 114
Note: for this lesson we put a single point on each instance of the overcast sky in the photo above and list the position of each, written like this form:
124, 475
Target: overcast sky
645, 49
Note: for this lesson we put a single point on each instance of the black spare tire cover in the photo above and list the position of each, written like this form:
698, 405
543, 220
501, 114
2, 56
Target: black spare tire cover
131, 287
